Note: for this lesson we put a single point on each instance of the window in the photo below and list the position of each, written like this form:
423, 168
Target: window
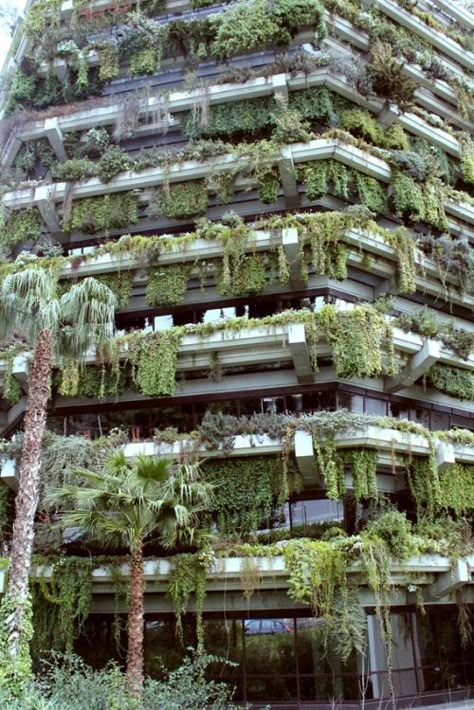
439, 420
306, 512
376, 407
270, 659
399, 411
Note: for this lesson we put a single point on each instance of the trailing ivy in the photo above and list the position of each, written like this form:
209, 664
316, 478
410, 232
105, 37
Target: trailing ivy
467, 158
322, 176
356, 338
69, 586
97, 214
452, 380
226, 119
167, 285
364, 473
188, 577
21, 226
245, 26
330, 466
153, 358
180, 200
419, 202
246, 492
404, 246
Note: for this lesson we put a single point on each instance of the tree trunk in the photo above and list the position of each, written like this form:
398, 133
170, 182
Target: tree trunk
27, 497
135, 623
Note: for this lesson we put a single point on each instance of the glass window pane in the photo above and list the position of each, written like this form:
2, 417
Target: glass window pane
322, 675
162, 648
305, 512
420, 415
399, 411
376, 407
224, 639
439, 420
270, 659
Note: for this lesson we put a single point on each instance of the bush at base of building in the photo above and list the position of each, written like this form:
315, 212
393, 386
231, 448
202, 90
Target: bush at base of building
69, 684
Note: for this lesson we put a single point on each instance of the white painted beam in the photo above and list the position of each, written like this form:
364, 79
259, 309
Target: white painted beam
416, 368
280, 87
458, 576
444, 455
304, 454
291, 244
388, 115
43, 201
387, 287
299, 353
287, 173
55, 136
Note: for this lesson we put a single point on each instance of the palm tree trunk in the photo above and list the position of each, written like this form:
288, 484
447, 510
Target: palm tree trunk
27, 497
135, 623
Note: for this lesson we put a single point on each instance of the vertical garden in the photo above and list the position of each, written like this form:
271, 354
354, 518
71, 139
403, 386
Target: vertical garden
237, 354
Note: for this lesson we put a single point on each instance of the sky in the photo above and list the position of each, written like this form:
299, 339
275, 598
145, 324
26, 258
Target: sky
5, 37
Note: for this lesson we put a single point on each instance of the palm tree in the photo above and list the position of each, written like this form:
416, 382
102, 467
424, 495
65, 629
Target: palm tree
127, 503
51, 325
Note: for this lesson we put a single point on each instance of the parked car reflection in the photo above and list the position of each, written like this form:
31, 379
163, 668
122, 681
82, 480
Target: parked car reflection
267, 626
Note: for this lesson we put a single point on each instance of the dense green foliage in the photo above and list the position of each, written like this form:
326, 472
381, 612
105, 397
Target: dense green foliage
68, 683
453, 381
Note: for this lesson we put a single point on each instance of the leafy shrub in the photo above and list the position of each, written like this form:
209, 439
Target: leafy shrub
112, 162
452, 380
69, 684
21, 226
180, 201
395, 530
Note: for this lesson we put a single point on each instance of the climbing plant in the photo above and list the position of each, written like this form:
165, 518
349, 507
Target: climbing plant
452, 380
246, 492
167, 285
356, 337
96, 214
180, 200
69, 588
21, 226
188, 577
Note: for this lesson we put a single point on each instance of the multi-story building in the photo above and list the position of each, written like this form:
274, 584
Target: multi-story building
280, 195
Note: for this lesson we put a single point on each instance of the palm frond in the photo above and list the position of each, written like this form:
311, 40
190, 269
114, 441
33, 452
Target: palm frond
134, 500
28, 302
150, 468
90, 306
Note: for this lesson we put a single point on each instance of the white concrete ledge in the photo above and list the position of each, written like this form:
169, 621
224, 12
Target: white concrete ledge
226, 572
255, 88
442, 42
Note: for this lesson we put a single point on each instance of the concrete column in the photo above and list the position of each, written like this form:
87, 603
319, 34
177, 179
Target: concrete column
286, 169
291, 244
418, 366
46, 207
304, 453
299, 353
55, 136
